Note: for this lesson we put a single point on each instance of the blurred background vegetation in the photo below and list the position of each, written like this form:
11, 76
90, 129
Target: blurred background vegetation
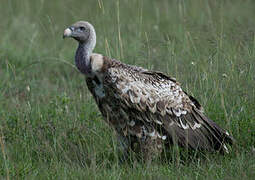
50, 126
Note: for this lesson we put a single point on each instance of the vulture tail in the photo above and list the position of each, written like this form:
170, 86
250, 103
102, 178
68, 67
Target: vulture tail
197, 132
218, 137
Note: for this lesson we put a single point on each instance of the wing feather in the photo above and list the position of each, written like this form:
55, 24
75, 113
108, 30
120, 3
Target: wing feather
151, 91
163, 104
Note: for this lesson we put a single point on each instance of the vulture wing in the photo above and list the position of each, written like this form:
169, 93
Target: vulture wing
158, 101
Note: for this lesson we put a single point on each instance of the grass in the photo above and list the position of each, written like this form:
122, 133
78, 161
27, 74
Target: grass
50, 127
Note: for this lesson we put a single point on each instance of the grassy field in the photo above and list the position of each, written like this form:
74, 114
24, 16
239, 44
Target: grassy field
50, 127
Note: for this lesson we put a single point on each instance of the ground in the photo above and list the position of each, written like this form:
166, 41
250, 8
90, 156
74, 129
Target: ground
50, 126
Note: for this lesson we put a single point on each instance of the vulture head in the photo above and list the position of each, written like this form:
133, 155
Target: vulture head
83, 32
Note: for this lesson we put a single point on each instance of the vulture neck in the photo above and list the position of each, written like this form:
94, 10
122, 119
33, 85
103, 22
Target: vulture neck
83, 53
82, 58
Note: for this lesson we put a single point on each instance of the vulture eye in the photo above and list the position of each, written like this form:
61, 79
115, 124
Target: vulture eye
81, 28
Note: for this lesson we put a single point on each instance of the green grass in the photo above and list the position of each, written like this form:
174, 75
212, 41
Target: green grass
50, 127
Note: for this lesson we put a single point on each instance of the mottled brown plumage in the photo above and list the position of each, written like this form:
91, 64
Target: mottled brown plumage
147, 109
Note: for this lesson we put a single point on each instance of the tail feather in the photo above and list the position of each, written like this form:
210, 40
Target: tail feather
219, 137
206, 136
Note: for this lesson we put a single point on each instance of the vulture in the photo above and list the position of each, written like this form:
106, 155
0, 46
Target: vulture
147, 109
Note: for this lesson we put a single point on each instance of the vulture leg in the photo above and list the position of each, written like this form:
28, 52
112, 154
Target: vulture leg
123, 147
150, 149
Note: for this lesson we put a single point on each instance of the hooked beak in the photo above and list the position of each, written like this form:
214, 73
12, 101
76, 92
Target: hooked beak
67, 33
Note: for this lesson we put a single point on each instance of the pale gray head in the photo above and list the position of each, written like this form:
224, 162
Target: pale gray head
83, 32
